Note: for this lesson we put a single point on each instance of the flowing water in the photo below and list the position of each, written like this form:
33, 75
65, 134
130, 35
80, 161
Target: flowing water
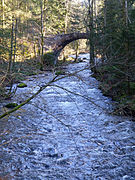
66, 132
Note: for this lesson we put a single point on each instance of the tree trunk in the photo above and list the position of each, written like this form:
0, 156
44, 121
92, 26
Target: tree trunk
42, 36
125, 23
3, 15
11, 49
16, 24
91, 27
104, 32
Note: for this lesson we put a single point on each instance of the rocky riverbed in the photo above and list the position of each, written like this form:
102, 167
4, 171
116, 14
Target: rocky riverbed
66, 133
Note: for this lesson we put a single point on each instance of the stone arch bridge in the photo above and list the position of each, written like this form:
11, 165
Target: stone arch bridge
58, 42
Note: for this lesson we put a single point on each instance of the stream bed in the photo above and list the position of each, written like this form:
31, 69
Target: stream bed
67, 132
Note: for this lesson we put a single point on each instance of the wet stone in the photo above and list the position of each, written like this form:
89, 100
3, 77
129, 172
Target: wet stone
63, 162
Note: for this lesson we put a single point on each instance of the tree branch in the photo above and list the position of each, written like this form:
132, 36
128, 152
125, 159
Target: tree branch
55, 79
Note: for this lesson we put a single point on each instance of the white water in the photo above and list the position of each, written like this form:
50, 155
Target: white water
95, 145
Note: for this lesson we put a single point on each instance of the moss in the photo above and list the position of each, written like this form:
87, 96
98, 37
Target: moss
59, 73
49, 58
11, 105
22, 85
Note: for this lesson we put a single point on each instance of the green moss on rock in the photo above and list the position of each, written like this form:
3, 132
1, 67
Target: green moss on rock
22, 85
59, 73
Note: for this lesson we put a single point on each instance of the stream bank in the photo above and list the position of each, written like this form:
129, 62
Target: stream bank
66, 132
114, 85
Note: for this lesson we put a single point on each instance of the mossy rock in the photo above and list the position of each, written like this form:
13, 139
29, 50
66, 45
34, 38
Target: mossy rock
22, 85
59, 73
49, 58
11, 105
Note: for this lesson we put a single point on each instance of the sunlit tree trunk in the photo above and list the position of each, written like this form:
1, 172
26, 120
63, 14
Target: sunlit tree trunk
67, 8
3, 15
15, 41
66, 16
125, 12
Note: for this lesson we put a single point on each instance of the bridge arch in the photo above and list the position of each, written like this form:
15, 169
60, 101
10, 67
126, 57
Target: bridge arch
61, 41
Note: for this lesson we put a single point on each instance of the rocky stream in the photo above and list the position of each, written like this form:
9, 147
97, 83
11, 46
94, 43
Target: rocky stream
67, 132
